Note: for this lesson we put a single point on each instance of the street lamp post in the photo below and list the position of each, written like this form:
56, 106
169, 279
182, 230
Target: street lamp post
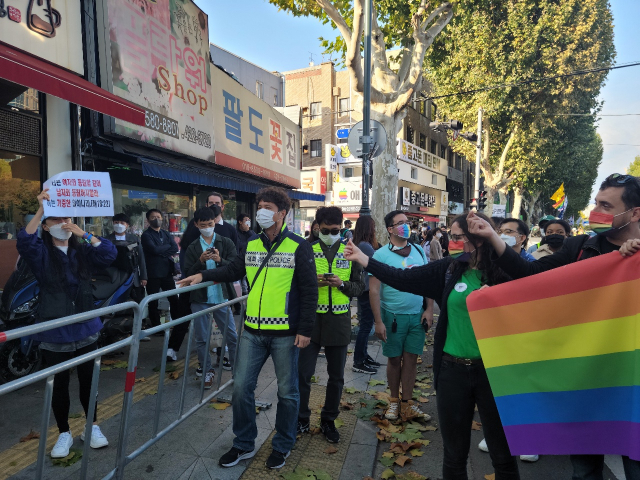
365, 140
478, 155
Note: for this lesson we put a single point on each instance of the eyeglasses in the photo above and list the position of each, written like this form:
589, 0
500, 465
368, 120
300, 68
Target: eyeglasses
333, 231
508, 231
400, 224
457, 238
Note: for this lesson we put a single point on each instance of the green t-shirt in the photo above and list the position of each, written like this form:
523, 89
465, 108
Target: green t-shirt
461, 341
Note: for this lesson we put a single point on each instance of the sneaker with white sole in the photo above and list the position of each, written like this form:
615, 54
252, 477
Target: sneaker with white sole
529, 458
233, 456
208, 379
172, 355
392, 410
199, 371
98, 440
483, 446
413, 411
62, 446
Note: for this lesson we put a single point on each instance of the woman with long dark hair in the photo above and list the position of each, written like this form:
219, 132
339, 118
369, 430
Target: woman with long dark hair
62, 262
460, 378
364, 237
314, 233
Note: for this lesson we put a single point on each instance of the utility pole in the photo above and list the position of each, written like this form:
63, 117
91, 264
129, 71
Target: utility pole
365, 140
476, 193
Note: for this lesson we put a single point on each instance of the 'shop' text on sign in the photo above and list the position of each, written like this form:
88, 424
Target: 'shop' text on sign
79, 194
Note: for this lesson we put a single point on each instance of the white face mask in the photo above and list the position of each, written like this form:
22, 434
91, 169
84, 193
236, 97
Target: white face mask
329, 239
207, 232
438, 235
248, 223
56, 231
119, 228
265, 219
509, 240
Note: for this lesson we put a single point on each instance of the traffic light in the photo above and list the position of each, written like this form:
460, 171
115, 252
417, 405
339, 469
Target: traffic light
482, 200
473, 204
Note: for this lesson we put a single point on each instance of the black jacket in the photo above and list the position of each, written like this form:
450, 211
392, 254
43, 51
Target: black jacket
243, 239
130, 238
193, 265
303, 298
517, 267
434, 280
158, 248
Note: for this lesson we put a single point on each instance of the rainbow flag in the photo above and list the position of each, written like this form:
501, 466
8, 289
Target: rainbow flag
600, 222
562, 353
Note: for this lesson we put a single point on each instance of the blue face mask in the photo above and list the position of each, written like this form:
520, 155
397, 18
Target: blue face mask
403, 231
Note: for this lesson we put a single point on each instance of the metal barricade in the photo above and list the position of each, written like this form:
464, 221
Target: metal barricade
122, 459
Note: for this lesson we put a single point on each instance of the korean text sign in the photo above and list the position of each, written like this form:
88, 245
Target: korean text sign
79, 194
252, 136
160, 61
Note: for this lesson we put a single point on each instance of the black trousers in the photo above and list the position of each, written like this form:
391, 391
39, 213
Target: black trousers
60, 400
460, 388
336, 359
153, 286
178, 333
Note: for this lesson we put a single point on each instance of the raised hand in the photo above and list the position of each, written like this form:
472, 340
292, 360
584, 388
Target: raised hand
353, 253
43, 196
478, 226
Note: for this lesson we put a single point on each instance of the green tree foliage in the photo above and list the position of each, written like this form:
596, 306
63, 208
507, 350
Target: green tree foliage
492, 42
634, 167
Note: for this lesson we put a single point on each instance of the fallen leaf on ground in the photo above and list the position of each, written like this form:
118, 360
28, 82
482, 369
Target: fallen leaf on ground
386, 461
31, 436
401, 460
387, 474
105, 369
338, 423
423, 399
314, 379
423, 441
121, 364
347, 405
141, 380
351, 390
429, 428
388, 454
411, 476
219, 405
151, 392
75, 415
108, 362
367, 478
315, 430
491, 476
174, 375
416, 453
380, 436
476, 425
75, 454
373, 383
330, 449
170, 367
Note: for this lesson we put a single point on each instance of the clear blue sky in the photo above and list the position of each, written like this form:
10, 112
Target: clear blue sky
257, 31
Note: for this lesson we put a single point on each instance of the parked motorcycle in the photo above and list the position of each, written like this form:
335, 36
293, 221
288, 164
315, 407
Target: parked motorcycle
19, 307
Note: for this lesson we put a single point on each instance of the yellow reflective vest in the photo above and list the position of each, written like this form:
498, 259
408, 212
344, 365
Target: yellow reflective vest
331, 299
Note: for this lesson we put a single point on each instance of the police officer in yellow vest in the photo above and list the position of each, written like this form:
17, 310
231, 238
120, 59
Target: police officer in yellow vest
281, 308
338, 280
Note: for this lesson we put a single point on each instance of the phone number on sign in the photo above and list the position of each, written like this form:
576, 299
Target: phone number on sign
199, 137
162, 124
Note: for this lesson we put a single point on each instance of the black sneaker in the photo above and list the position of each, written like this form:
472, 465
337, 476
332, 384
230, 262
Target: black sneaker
371, 362
199, 371
226, 364
364, 368
233, 456
303, 425
330, 431
277, 459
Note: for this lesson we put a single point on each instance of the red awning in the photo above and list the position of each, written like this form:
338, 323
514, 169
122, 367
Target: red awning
426, 218
32, 72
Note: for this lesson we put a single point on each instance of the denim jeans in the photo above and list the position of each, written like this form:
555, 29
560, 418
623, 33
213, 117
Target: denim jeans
460, 388
202, 326
254, 351
589, 467
336, 359
365, 316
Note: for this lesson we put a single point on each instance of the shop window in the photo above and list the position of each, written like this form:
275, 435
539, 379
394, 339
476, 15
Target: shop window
316, 110
434, 179
409, 134
350, 172
423, 141
316, 148
27, 101
414, 173
19, 187
259, 89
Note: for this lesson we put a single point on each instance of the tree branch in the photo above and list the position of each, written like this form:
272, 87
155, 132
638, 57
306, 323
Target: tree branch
379, 50
333, 13
353, 59
505, 151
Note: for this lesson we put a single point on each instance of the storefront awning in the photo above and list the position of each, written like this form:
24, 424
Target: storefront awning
425, 218
31, 72
201, 176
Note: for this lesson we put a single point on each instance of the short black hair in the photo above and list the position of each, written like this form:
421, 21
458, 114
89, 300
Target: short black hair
275, 195
149, 212
241, 217
347, 221
215, 194
564, 223
523, 229
497, 220
204, 214
631, 193
120, 217
329, 216
388, 218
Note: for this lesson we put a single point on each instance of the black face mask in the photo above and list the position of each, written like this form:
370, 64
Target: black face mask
155, 223
554, 241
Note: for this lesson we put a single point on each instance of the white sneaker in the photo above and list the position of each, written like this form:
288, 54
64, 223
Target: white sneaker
172, 356
483, 446
392, 410
62, 446
529, 458
415, 412
98, 440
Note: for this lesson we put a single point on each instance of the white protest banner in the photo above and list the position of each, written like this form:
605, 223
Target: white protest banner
499, 210
79, 194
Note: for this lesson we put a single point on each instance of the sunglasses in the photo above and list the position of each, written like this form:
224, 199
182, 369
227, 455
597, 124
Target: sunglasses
333, 231
621, 179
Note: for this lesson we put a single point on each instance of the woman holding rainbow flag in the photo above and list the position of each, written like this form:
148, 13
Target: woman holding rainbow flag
460, 378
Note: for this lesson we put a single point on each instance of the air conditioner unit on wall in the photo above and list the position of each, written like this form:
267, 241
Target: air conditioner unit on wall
336, 91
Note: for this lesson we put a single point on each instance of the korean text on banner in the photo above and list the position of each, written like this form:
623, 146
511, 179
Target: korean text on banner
79, 194
562, 350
